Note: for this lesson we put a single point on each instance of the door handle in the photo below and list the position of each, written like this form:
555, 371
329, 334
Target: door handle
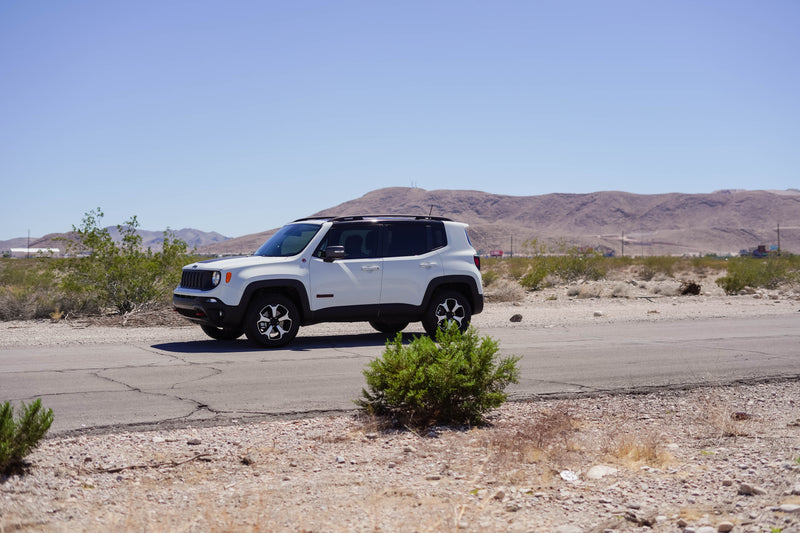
427, 265
370, 268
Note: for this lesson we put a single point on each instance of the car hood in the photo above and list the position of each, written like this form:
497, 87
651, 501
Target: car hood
234, 263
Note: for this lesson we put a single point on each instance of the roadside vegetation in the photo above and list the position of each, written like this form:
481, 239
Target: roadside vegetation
507, 279
99, 277
453, 380
103, 276
20, 435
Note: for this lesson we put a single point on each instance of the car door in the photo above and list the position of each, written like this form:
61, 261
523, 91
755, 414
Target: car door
411, 260
353, 281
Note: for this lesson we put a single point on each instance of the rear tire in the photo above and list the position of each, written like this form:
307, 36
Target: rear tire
389, 328
272, 320
445, 307
222, 334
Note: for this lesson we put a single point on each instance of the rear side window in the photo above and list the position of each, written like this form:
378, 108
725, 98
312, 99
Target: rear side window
414, 238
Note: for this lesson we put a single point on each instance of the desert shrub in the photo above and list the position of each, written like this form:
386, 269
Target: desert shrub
18, 437
505, 290
455, 379
533, 279
489, 277
121, 275
29, 288
768, 273
575, 265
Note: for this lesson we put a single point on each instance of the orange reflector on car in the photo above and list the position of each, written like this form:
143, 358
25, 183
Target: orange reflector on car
227, 277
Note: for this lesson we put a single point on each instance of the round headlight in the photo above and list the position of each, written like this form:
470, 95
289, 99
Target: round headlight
215, 277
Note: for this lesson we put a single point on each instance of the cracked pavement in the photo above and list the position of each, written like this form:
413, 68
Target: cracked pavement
109, 387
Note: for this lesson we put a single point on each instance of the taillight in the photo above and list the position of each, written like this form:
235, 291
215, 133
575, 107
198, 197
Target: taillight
477, 260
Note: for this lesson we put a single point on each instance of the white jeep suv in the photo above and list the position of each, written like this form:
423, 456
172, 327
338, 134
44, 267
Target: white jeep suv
388, 270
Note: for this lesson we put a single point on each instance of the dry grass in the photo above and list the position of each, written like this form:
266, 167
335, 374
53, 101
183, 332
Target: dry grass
641, 448
505, 290
717, 414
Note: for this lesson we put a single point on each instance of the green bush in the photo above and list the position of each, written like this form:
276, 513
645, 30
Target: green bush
490, 277
534, 277
455, 379
121, 275
19, 437
769, 273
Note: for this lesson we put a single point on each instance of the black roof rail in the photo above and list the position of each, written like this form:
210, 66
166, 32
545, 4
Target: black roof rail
367, 217
314, 218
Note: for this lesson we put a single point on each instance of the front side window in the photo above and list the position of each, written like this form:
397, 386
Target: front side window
359, 240
414, 238
289, 240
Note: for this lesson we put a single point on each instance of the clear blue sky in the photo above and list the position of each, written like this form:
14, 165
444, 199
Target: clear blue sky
239, 116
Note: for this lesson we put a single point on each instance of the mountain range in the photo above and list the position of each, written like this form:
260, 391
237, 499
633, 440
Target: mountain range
721, 222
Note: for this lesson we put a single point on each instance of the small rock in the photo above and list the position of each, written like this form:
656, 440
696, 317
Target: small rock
789, 508
598, 313
159, 440
600, 471
705, 529
371, 436
569, 476
194, 442
513, 507
724, 527
433, 477
247, 460
796, 490
516, 318
340, 459
747, 489
568, 529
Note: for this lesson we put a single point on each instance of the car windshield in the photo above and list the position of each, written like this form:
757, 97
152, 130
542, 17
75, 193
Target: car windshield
289, 240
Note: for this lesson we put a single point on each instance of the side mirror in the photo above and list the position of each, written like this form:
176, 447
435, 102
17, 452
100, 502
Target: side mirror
332, 253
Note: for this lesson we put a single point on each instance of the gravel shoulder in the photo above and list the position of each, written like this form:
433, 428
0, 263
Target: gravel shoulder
703, 460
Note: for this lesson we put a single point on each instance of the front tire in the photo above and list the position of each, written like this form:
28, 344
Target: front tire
272, 320
446, 307
222, 334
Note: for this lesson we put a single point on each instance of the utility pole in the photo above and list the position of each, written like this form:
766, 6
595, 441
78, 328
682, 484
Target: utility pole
623, 245
779, 239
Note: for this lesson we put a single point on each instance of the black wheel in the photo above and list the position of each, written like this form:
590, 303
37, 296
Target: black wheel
222, 334
390, 328
272, 320
446, 307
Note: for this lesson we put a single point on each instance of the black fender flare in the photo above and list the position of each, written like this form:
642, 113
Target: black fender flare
292, 288
462, 283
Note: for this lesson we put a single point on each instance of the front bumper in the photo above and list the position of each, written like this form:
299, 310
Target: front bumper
206, 311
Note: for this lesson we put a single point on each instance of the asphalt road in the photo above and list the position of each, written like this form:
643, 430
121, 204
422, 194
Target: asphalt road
116, 386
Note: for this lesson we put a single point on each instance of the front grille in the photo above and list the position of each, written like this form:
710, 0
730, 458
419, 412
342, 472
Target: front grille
196, 279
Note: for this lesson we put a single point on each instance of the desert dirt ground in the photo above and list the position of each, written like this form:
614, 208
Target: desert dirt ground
717, 458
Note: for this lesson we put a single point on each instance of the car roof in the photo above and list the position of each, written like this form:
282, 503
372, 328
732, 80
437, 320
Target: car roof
351, 218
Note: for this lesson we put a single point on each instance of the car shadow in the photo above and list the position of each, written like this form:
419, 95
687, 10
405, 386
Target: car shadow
299, 344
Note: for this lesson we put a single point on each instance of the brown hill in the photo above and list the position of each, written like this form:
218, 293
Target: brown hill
659, 224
